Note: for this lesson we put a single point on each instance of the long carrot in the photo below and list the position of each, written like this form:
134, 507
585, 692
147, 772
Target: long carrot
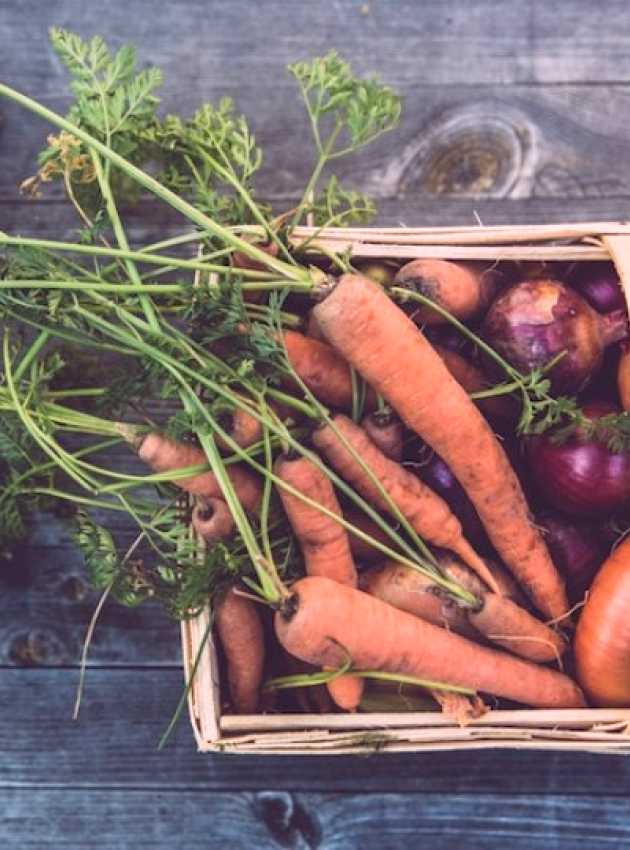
427, 512
415, 593
241, 634
498, 618
324, 543
394, 357
323, 622
165, 455
325, 373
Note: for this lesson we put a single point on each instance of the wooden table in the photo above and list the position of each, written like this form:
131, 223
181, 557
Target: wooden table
515, 112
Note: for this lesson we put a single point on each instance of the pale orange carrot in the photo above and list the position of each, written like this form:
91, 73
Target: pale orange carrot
426, 512
324, 544
394, 357
165, 455
241, 634
323, 622
212, 520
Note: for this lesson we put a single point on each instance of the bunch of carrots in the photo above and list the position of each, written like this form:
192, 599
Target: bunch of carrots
309, 395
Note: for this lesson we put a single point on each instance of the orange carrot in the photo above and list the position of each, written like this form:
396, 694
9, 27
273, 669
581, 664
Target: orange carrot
313, 329
165, 455
324, 372
385, 430
505, 623
324, 544
384, 345
212, 520
243, 428
411, 591
323, 622
241, 634
623, 376
464, 289
426, 512
473, 380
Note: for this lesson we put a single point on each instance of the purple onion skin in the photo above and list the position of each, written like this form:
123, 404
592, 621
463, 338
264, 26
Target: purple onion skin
438, 476
579, 478
599, 284
536, 320
577, 550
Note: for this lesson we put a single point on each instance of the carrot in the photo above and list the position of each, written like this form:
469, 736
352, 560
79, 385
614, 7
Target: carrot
384, 345
323, 622
241, 634
498, 619
313, 330
473, 380
324, 544
165, 455
361, 550
415, 593
243, 428
385, 430
464, 289
212, 520
507, 624
623, 376
427, 512
324, 372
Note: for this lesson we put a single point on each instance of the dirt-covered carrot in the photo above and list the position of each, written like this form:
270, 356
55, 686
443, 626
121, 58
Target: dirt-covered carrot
394, 357
241, 634
411, 591
426, 512
324, 544
473, 380
323, 370
165, 455
464, 289
498, 618
385, 430
212, 520
323, 623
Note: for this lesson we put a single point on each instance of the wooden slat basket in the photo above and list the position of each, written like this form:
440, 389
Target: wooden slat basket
593, 730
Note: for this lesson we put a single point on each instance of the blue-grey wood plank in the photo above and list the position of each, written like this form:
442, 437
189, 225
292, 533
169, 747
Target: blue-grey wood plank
124, 713
117, 820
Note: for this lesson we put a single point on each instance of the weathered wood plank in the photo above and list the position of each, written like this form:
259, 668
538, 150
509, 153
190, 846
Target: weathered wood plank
517, 141
80, 819
114, 744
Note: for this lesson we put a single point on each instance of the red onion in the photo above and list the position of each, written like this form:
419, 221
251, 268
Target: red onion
580, 477
599, 284
577, 550
536, 320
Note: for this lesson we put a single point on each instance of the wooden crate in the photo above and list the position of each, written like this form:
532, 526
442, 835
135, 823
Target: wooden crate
592, 730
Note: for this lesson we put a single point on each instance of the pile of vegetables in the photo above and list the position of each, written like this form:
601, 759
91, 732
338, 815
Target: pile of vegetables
373, 473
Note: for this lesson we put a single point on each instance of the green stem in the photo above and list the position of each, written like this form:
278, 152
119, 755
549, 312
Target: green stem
88, 285
126, 254
121, 237
153, 186
35, 347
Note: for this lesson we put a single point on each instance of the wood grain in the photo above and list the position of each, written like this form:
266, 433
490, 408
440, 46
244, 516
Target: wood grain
114, 745
266, 821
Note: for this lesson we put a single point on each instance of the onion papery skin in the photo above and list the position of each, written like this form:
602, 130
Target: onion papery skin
536, 320
602, 638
